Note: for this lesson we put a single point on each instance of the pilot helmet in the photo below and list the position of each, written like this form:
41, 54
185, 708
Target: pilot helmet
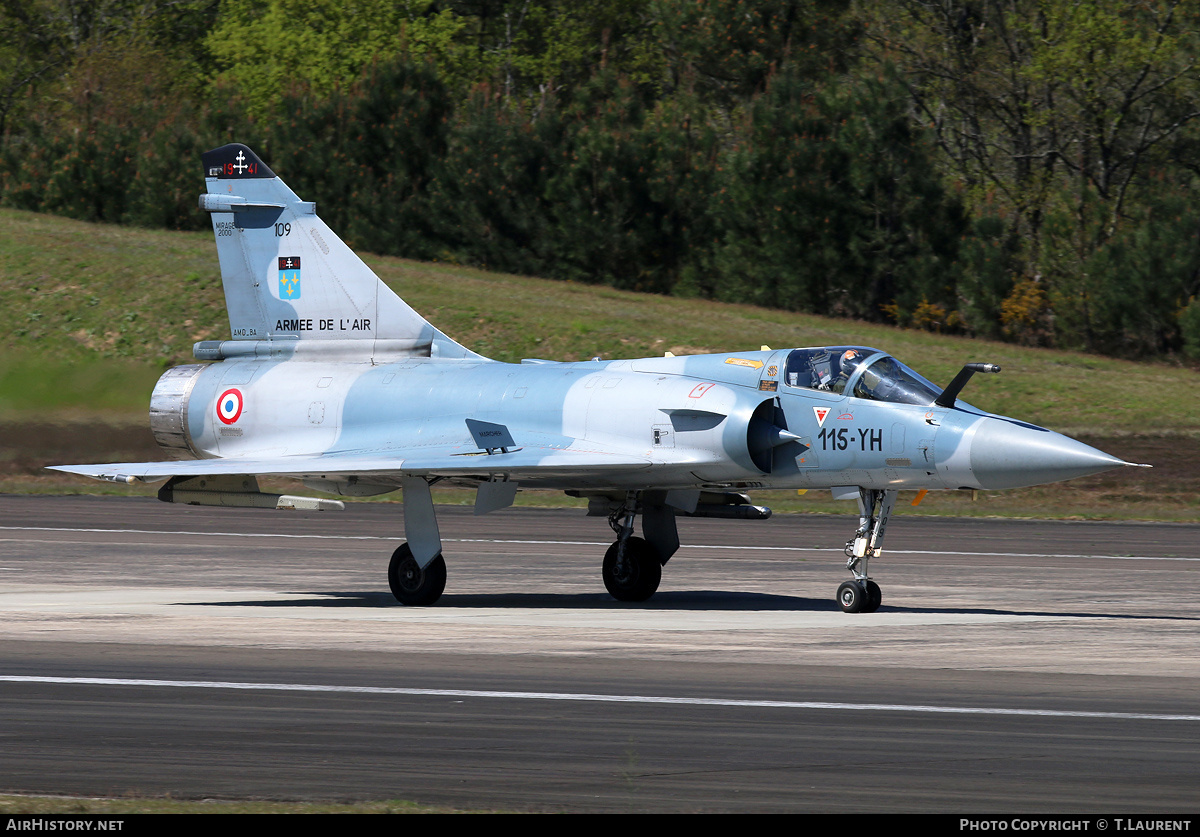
850, 361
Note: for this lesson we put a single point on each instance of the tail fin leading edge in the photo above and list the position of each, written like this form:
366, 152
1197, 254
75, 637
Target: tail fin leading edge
289, 280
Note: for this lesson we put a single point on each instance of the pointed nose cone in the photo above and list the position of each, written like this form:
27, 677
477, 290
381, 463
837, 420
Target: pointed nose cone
1007, 454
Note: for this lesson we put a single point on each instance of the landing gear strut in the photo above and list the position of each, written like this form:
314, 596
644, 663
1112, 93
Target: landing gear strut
632, 567
862, 595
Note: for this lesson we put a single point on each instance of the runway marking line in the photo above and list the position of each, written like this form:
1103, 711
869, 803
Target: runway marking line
596, 543
594, 698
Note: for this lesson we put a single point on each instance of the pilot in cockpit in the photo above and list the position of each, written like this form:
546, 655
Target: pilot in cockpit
849, 362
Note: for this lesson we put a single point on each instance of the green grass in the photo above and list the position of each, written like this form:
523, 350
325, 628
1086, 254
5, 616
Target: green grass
91, 314
89, 385
514, 317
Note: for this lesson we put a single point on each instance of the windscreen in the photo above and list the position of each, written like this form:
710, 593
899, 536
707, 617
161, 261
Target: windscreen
887, 379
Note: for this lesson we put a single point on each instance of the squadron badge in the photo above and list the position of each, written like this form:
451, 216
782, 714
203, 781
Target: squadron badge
289, 277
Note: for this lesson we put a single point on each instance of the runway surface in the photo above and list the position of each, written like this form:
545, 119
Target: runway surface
1015, 666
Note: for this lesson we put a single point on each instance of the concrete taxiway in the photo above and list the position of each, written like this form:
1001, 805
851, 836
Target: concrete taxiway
1014, 665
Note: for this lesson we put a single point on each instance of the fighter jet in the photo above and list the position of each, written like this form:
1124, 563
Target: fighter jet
332, 379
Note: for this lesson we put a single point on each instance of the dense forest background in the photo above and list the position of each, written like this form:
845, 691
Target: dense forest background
1016, 169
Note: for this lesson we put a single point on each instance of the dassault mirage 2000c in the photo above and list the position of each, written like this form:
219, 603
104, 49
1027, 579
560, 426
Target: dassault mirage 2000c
332, 379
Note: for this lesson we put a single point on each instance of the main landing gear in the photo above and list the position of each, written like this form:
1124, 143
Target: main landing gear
412, 585
862, 595
633, 566
631, 570
417, 571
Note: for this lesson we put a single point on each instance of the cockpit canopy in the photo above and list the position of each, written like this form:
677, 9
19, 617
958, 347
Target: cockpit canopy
859, 371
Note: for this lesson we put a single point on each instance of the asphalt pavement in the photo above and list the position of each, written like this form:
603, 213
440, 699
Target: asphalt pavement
1014, 666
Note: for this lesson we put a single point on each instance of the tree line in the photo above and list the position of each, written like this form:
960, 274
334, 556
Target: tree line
1015, 169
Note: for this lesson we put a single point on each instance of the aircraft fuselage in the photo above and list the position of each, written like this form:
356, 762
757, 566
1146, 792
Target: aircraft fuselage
698, 422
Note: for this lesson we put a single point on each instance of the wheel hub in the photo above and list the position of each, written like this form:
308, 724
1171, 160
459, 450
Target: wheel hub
410, 575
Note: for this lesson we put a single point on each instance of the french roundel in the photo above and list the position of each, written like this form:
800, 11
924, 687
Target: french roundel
229, 406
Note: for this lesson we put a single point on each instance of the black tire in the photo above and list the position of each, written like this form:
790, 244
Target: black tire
851, 597
412, 585
642, 572
874, 597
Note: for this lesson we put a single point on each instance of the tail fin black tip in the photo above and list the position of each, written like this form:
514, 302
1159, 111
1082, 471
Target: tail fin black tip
234, 162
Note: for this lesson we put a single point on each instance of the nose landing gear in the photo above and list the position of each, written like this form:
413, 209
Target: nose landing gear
862, 595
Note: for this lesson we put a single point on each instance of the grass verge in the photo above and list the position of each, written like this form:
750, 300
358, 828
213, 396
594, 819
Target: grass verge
91, 314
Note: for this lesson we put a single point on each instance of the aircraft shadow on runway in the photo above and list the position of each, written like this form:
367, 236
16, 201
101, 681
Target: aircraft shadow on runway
696, 600
682, 600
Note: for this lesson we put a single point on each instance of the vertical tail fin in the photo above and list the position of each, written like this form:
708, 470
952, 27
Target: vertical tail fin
290, 282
